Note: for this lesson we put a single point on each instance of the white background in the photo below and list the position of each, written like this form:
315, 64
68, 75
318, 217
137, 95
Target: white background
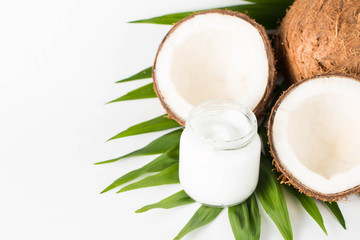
58, 64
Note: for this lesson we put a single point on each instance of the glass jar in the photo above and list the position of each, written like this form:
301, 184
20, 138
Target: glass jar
220, 153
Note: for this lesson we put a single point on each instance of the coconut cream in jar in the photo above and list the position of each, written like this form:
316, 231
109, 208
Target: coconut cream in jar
220, 153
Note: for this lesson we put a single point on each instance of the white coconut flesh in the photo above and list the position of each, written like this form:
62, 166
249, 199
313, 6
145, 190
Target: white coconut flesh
316, 134
212, 56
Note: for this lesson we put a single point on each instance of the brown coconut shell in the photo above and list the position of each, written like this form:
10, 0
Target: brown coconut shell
318, 37
260, 108
286, 176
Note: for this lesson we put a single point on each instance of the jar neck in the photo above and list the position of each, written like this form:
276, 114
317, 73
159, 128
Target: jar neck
222, 124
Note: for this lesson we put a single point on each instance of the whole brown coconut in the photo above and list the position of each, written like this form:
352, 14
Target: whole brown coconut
317, 37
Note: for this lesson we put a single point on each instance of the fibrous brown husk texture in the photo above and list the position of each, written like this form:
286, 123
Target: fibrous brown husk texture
320, 36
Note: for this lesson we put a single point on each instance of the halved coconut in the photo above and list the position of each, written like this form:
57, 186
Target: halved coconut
314, 135
216, 54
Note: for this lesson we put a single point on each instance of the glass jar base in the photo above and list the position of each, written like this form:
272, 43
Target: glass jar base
221, 205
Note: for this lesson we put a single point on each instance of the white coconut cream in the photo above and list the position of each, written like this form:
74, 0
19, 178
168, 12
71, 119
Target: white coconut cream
220, 153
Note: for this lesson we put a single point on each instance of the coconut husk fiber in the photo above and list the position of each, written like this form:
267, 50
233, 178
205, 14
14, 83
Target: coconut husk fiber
317, 37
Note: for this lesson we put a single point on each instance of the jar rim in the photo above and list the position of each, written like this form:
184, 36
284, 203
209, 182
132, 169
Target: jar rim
222, 104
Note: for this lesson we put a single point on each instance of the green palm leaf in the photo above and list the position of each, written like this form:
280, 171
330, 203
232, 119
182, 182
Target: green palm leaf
245, 220
334, 208
169, 175
310, 206
272, 199
160, 163
157, 146
160, 123
203, 216
146, 91
175, 200
146, 73
265, 14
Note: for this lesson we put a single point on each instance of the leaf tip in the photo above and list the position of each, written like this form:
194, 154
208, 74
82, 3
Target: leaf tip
112, 101
135, 21
122, 190
140, 210
120, 135
104, 191
99, 163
